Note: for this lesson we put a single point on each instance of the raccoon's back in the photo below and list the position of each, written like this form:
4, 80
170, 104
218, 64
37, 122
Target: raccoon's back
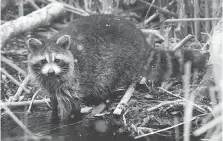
109, 52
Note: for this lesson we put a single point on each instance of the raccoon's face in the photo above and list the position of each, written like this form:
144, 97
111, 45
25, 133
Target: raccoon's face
50, 60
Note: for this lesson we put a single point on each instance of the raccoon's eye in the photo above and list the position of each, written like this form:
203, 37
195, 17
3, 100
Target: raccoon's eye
57, 60
43, 61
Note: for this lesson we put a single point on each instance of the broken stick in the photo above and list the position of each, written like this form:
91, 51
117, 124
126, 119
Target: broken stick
123, 103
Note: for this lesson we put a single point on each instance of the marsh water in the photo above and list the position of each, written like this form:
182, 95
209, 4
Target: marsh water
48, 128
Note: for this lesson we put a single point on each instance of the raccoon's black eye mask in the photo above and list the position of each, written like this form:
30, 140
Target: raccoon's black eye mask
57, 60
43, 61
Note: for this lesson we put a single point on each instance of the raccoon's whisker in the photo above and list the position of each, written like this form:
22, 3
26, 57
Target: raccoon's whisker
39, 74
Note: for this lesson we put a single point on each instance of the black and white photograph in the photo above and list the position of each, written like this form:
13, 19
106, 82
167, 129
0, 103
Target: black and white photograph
111, 70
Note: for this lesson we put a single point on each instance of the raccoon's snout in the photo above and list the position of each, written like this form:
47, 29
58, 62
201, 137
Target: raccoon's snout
51, 69
51, 72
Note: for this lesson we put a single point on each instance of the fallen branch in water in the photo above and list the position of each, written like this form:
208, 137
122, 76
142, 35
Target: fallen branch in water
24, 103
17, 120
30, 106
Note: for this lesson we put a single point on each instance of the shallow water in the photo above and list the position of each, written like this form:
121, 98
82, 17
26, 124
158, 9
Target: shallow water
47, 129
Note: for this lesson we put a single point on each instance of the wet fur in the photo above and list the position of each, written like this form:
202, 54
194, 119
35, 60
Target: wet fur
62, 88
107, 53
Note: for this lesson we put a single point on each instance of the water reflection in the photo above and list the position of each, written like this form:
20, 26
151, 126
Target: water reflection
50, 128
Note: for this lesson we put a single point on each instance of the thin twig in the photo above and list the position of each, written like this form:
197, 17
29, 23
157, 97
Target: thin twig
13, 79
191, 20
157, 14
209, 125
207, 15
27, 137
196, 15
164, 11
75, 10
47, 101
182, 42
25, 103
161, 19
165, 129
149, 9
18, 121
33, 4
33, 98
189, 97
195, 105
19, 91
21, 8
72, 9
152, 31
162, 104
13, 65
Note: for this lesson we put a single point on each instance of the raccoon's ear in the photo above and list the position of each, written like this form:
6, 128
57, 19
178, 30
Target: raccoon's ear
34, 44
64, 41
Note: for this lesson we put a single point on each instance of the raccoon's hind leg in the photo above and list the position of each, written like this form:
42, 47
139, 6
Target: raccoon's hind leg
99, 91
99, 96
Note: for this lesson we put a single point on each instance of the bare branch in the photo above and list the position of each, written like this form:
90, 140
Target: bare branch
13, 79
17, 120
13, 65
182, 42
19, 91
163, 10
26, 23
191, 19
121, 106
25, 103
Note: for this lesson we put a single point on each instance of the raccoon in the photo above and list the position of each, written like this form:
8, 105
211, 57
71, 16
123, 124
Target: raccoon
87, 61
162, 65
53, 69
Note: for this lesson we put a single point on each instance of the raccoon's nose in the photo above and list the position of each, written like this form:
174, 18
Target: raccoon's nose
51, 72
